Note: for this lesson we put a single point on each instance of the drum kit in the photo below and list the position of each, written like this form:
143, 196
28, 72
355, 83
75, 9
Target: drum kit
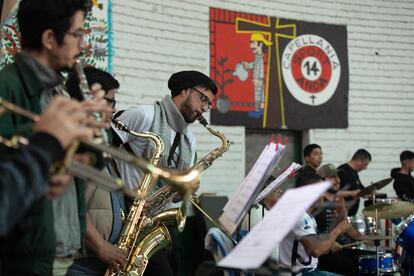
383, 262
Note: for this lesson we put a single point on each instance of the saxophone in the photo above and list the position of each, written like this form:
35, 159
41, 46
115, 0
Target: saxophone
158, 199
138, 237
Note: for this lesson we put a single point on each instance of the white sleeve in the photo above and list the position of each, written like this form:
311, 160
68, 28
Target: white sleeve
137, 119
304, 227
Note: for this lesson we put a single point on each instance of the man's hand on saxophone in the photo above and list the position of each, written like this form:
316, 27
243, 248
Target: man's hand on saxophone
106, 252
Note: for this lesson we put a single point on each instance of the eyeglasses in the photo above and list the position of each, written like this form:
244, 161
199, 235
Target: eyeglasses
110, 101
78, 35
204, 98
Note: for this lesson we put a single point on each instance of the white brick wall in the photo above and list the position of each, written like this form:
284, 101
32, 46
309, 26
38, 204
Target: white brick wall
153, 39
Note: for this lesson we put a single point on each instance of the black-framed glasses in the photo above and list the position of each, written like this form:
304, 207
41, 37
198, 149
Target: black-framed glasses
204, 98
78, 35
110, 101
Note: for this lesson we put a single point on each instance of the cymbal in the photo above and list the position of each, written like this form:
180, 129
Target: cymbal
388, 210
375, 187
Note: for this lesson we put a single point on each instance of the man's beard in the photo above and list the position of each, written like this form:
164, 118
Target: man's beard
186, 112
65, 68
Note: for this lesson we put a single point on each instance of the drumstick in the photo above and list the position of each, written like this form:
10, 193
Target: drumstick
364, 241
353, 244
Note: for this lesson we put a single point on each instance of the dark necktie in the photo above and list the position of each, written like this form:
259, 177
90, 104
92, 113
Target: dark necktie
173, 149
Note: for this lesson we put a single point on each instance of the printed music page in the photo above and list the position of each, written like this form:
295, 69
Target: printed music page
278, 181
241, 201
258, 245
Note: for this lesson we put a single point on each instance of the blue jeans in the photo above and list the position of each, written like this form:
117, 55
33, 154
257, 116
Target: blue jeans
87, 267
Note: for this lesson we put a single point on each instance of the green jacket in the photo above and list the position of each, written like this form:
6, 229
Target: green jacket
31, 247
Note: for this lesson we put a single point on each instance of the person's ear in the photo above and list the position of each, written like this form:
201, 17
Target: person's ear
48, 39
185, 92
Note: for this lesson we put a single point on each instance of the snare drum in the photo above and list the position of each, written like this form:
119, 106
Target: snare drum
405, 234
368, 263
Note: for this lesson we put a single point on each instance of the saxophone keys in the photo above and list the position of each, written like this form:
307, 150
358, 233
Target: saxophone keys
139, 265
123, 216
146, 222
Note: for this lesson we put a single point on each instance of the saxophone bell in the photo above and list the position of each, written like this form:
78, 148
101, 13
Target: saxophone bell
174, 217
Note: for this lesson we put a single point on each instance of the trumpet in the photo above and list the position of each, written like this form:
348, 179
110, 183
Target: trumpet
78, 169
183, 181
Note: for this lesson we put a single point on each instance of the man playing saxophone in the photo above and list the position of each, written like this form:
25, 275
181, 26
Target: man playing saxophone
191, 95
104, 208
51, 38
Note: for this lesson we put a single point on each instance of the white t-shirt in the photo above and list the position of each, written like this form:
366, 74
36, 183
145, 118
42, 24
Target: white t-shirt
139, 119
304, 227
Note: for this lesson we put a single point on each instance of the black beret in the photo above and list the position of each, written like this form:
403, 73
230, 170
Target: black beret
189, 79
106, 80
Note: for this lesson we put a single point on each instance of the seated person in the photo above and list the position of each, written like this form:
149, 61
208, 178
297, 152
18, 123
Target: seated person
344, 261
300, 249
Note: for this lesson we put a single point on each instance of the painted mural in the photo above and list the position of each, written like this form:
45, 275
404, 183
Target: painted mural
278, 73
97, 38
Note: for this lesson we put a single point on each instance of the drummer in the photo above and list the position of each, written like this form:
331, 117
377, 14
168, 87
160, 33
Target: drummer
348, 174
329, 172
345, 261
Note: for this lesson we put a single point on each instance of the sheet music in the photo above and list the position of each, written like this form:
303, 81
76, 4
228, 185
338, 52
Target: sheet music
237, 207
278, 181
241, 186
258, 245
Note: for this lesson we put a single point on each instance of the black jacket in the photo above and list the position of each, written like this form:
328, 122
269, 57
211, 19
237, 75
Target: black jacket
350, 178
403, 185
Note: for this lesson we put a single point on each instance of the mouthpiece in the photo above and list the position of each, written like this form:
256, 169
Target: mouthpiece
120, 125
202, 121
